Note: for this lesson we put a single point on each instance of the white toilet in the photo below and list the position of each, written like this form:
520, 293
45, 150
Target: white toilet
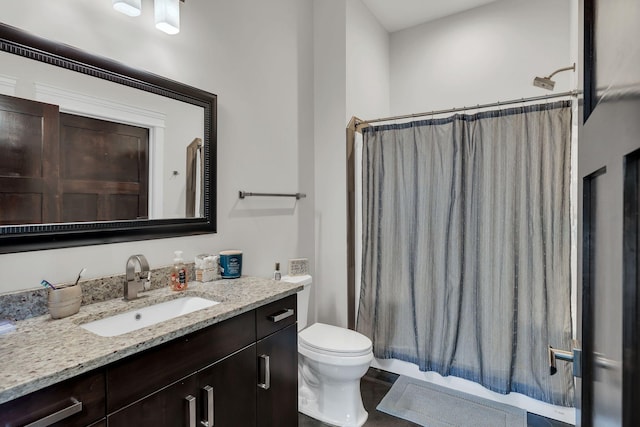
331, 361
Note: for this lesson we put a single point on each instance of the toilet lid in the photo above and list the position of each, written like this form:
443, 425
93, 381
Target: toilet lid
332, 339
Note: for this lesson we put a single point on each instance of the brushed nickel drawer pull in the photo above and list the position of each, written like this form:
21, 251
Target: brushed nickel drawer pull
282, 315
191, 408
267, 374
58, 416
208, 397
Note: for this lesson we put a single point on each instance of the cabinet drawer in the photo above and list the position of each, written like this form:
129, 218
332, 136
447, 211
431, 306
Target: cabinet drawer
61, 399
276, 315
142, 374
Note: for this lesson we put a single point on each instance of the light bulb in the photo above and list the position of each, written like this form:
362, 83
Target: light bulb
167, 15
128, 7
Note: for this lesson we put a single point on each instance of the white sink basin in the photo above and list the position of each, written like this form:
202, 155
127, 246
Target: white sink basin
141, 318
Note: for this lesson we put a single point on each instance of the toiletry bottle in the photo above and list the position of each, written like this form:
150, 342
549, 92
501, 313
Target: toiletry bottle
199, 267
178, 273
276, 274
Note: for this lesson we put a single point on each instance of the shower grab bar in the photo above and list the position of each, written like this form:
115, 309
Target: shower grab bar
298, 196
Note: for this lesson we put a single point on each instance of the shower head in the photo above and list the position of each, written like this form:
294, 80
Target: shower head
546, 82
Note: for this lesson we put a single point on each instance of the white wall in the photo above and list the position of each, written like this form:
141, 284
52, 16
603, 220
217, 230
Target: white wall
487, 54
257, 57
368, 64
329, 288
351, 51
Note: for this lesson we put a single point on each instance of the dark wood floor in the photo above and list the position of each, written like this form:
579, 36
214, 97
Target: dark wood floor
375, 385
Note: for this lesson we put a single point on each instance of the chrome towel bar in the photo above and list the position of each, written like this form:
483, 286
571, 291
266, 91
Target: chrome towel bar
298, 196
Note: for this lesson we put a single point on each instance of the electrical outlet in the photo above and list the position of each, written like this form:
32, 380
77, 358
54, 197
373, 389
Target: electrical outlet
298, 266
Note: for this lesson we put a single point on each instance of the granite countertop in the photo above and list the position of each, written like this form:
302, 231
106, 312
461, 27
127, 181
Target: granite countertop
42, 351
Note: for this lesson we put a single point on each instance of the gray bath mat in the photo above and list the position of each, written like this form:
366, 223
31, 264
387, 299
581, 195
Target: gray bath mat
435, 406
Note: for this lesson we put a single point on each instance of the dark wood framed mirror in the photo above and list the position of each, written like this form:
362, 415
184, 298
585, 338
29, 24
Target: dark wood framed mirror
39, 235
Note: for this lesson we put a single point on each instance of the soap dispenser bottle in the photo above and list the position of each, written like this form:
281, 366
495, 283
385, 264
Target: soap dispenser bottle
276, 273
178, 273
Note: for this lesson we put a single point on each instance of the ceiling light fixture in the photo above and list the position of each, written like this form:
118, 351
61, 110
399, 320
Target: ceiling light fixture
128, 7
167, 15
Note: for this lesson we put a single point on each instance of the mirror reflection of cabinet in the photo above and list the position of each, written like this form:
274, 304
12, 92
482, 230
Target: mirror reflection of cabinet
65, 168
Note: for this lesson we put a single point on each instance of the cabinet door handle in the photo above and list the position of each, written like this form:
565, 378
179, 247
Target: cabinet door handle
75, 407
191, 411
208, 398
267, 374
282, 315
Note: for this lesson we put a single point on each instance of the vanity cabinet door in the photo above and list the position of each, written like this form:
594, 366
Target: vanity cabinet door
173, 406
278, 379
227, 391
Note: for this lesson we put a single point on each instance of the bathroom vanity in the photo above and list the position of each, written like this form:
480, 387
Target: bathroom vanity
234, 364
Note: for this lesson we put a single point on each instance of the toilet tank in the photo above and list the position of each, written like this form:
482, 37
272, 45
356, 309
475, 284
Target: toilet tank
303, 297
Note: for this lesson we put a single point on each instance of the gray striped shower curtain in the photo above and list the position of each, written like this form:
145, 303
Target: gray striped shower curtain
466, 246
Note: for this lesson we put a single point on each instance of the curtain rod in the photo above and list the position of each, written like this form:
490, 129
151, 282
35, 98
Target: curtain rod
359, 124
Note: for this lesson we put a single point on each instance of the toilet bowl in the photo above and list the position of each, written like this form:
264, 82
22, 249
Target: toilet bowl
331, 362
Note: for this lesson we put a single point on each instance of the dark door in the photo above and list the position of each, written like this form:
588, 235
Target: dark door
28, 169
608, 140
104, 170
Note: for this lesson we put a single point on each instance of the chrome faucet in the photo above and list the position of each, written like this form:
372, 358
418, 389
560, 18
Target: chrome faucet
132, 284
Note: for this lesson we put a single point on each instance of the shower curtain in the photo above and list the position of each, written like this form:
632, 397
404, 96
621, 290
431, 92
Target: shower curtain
466, 246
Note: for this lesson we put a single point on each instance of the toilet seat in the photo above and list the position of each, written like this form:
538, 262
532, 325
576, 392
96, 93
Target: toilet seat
331, 340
